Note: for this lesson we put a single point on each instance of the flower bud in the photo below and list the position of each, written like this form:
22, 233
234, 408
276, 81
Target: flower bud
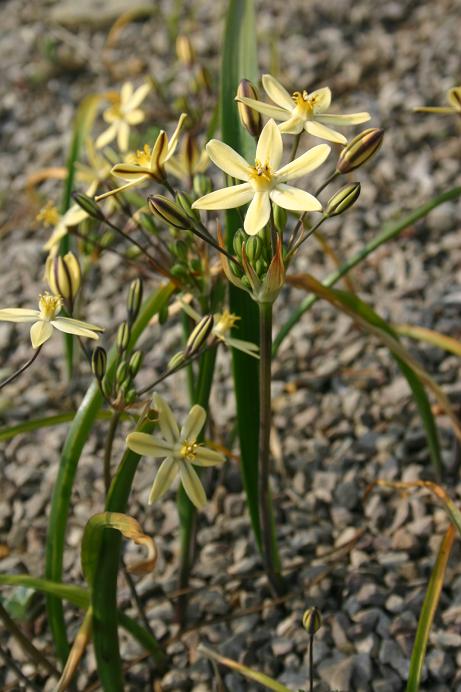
199, 335
99, 362
185, 50
237, 242
134, 300
343, 199
121, 373
203, 80
253, 248
359, 150
63, 275
202, 184
280, 218
135, 362
169, 212
176, 360
123, 337
249, 118
89, 205
190, 152
312, 620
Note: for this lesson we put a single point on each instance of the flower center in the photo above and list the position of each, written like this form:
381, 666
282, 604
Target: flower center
187, 450
261, 176
49, 215
224, 322
142, 156
304, 104
49, 306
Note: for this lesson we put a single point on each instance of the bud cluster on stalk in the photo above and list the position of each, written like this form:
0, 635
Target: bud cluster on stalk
117, 385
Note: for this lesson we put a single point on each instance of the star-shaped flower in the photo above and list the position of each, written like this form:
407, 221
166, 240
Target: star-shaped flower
146, 163
303, 111
453, 98
264, 180
46, 318
180, 451
123, 113
50, 216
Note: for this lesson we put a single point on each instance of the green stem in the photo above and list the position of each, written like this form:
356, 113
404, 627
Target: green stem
114, 421
269, 545
388, 233
187, 511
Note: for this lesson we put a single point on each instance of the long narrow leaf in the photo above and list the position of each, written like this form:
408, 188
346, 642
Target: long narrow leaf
78, 434
430, 336
389, 232
240, 62
431, 601
45, 422
416, 376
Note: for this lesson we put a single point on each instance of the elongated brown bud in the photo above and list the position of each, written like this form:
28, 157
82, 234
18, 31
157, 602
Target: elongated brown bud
169, 212
123, 337
99, 362
134, 300
312, 620
360, 149
64, 276
250, 118
343, 199
199, 335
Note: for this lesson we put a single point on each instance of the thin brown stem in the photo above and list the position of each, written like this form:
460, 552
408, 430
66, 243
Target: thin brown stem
22, 369
11, 663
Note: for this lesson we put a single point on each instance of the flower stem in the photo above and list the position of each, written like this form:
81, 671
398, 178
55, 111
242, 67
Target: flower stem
269, 545
21, 369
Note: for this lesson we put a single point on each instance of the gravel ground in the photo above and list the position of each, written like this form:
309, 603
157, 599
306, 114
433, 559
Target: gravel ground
343, 414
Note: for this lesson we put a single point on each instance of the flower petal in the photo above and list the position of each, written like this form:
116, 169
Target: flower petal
139, 95
163, 479
270, 146
123, 136
74, 215
226, 198
293, 126
18, 315
277, 92
307, 162
258, 213
193, 424
167, 421
130, 171
148, 445
85, 325
106, 136
294, 199
265, 108
247, 347
173, 141
192, 485
349, 119
40, 332
70, 326
319, 130
321, 99
454, 98
228, 160
135, 117
204, 456
126, 93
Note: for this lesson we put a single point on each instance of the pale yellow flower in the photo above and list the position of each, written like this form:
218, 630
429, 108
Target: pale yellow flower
453, 98
50, 216
303, 111
264, 180
123, 113
180, 451
146, 163
46, 318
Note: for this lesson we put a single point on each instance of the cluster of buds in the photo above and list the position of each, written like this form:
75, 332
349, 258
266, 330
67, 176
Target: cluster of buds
196, 341
117, 385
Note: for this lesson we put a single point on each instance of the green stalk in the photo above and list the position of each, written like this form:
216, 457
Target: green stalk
239, 61
104, 591
79, 432
388, 233
187, 511
269, 543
